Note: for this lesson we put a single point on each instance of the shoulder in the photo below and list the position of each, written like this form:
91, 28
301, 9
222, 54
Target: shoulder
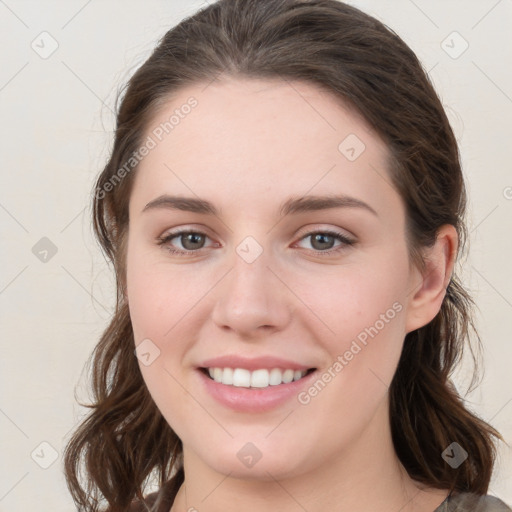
473, 502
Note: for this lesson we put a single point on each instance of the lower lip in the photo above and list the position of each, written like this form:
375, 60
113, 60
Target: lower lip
254, 399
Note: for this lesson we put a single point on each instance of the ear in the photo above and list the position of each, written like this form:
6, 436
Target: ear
428, 289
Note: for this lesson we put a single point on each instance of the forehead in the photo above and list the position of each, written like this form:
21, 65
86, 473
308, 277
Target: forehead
261, 138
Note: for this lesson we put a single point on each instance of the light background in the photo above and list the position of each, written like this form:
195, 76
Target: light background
56, 130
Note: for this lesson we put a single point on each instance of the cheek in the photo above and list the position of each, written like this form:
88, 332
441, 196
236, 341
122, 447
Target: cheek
366, 311
363, 323
159, 295
155, 308
142, 299
347, 302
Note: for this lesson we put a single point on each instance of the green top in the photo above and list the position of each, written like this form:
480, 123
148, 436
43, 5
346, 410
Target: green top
472, 503
463, 502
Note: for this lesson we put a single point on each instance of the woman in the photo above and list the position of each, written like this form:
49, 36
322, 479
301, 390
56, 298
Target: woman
284, 206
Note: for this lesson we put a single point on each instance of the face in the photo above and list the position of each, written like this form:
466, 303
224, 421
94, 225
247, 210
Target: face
266, 278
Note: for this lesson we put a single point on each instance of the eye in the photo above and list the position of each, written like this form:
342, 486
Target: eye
322, 241
193, 241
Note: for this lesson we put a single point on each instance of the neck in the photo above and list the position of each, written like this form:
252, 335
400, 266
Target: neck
366, 475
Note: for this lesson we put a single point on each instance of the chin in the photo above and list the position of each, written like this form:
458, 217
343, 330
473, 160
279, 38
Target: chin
247, 462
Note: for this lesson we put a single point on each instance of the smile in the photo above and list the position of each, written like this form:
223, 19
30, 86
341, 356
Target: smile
261, 378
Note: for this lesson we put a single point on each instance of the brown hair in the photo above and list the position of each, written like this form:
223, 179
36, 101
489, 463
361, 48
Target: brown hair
125, 440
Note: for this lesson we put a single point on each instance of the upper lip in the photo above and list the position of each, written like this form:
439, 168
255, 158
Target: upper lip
251, 364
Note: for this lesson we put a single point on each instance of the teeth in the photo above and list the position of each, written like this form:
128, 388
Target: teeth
227, 376
259, 379
240, 377
288, 376
275, 377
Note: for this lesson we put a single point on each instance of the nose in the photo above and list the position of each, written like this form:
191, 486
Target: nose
251, 300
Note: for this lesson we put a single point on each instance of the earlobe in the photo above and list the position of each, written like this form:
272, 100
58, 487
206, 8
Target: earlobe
426, 297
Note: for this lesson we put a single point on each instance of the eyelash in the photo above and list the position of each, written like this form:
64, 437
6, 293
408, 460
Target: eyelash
338, 236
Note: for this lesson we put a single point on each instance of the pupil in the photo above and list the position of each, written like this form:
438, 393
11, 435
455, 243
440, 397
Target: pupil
191, 237
321, 238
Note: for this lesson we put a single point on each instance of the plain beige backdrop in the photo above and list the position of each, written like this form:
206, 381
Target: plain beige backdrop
62, 63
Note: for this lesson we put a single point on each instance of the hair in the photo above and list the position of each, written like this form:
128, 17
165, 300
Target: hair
125, 440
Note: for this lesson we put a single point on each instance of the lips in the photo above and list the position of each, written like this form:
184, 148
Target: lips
253, 385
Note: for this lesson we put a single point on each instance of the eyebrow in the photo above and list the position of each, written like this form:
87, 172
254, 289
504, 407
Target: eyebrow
291, 206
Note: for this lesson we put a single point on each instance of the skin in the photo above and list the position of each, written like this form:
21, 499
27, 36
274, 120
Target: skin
247, 147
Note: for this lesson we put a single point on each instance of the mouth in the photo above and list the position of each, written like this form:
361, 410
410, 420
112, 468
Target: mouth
256, 379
